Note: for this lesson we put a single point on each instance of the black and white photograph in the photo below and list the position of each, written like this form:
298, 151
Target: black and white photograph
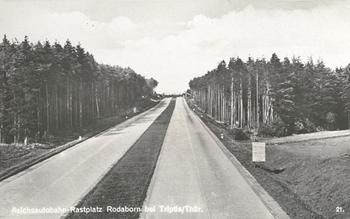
194, 109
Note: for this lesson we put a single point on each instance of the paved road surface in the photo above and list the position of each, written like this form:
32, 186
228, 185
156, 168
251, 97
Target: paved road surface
193, 171
63, 179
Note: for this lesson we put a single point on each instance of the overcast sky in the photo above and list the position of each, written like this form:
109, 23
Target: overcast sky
174, 41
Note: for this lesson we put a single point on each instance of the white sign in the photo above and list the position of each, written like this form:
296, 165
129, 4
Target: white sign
258, 152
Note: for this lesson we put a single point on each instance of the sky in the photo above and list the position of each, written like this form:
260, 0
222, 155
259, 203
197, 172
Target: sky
174, 41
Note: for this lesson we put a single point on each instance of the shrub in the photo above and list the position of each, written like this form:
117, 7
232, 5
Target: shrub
302, 126
238, 134
330, 118
309, 126
299, 127
277, 128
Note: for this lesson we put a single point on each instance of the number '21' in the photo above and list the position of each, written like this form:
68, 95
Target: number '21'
339, 209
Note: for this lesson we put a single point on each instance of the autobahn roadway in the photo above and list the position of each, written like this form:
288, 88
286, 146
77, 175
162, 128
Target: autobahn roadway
194, 177
60, 181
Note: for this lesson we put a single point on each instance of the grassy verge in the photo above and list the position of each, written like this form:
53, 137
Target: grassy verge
16, 158
307, 184
126, 183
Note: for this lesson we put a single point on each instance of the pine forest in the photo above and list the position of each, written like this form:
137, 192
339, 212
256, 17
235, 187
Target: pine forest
52, 89
274, 97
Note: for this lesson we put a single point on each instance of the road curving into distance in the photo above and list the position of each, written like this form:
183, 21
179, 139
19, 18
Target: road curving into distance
60, 181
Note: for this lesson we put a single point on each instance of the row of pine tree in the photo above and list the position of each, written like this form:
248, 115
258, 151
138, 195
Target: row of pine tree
277, 97
52, 89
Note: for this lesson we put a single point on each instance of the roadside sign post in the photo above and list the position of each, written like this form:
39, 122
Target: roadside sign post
258, 151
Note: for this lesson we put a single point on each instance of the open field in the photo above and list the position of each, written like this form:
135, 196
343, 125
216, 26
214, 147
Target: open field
309, 179
316, 171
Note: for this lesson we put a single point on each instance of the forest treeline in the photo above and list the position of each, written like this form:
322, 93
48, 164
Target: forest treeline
51, 89
275, 97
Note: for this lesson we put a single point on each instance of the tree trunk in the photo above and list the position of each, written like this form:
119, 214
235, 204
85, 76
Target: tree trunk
223, 104
232, 104
257, 100
249, 106
241, 104
67, 115
218, 103
235, 114
47, 109
56, 108
81, 104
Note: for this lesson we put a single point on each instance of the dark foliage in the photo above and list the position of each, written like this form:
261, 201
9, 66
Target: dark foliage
53, 89
277, 97
276, 128
238, 134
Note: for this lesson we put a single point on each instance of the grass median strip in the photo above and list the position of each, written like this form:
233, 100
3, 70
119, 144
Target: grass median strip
126, 184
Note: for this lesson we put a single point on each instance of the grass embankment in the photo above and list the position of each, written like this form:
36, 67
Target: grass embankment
312, 177
16, 158
127, 182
